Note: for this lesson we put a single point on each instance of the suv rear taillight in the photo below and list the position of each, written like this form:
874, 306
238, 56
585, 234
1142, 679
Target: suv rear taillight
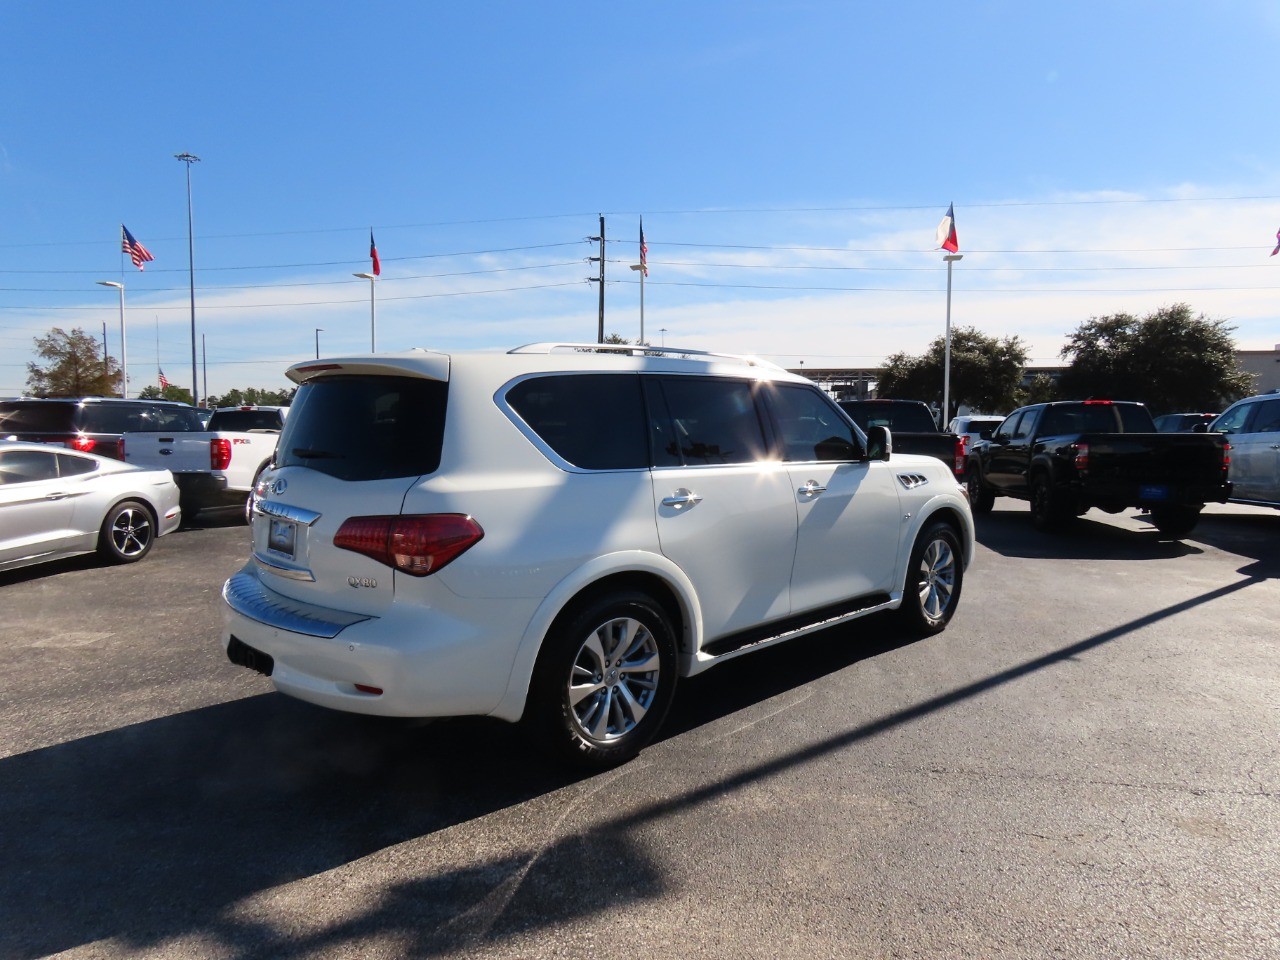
219, 453
416, 545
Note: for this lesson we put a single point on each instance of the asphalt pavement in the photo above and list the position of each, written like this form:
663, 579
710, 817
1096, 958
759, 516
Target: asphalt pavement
1085, 765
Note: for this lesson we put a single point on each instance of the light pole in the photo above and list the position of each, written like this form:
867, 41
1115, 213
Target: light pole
124, 356
950, 258
373, 310
319, 330
663, 331
189, 159
643, 268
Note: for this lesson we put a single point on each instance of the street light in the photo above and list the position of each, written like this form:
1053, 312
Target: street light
189, 159
950, 258
643, 268
663, 331
373, 310
124, 357
319, 330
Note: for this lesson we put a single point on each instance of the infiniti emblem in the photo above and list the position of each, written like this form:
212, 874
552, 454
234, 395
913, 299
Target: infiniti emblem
277, 487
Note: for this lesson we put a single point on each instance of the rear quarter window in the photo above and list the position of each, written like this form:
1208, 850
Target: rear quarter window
27, 417
366, 428
592, 421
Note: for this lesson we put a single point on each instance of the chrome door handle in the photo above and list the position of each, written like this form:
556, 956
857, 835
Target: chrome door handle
681, 498
812, 489
57, 496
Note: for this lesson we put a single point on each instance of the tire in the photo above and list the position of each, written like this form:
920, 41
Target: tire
1174, 523
981, 497
604, 680
1047, 509
935, 577
127, 533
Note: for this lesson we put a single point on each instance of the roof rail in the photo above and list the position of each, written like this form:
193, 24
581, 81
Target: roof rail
640, 350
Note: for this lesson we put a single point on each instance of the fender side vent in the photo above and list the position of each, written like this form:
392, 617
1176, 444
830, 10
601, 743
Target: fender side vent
912, 480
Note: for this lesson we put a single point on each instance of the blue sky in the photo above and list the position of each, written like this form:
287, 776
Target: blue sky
791, 162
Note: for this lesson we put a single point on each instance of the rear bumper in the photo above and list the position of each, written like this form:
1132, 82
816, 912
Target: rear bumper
1154, 494
208, 490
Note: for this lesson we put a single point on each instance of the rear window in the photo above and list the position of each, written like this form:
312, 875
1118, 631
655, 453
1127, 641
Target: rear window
18, 416
365, 428
593, 421
242, 421
137, 418
1097, 418
904, 417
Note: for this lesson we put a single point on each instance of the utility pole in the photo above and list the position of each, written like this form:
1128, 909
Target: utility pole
189, 159
599, 279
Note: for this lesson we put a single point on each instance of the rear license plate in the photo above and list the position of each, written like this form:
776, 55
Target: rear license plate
1151, 491
281, 537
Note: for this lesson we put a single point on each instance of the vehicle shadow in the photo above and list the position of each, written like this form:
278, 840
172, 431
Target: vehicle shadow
150, 832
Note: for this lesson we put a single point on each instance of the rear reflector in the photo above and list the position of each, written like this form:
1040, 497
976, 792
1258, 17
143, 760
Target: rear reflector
365, 688
417, 545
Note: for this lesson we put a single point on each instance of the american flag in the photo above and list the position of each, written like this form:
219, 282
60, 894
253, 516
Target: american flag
373, 255
644, 251
164, 381
136, 251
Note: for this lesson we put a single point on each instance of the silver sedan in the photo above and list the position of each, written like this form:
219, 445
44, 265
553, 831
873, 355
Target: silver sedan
57, 503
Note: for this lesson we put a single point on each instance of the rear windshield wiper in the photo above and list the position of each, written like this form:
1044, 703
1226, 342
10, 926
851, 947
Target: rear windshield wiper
306, 453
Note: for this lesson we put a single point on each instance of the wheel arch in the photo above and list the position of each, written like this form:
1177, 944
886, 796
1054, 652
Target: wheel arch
649, 573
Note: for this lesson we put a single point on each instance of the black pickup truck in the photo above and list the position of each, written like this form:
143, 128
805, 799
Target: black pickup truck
911, 427
1069, 456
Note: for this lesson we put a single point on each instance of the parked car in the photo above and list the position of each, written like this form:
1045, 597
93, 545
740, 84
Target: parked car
57, 503
216, 466
911, 427
1252, 425
1182, 422
1069, 456
91, 424
555, 534
970, 428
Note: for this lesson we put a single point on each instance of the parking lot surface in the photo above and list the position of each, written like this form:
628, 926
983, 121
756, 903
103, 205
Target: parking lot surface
1085, 764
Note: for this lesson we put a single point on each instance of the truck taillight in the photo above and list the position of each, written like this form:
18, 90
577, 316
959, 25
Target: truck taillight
219, 453
961, 450
1226, 459
417, 545
82, 443
1082, 458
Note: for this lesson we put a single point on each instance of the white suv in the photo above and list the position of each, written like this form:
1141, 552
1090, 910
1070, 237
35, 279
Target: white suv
557, 533
1252, 426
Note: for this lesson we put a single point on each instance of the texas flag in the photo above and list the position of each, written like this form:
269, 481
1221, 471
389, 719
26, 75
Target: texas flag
373, 255
947, 231
1277, 249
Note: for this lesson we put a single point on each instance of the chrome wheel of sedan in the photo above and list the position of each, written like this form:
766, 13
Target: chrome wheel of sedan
127, 533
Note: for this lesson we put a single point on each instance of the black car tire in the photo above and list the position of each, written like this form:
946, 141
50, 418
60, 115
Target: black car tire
127, 533
981, 497
1174, 523
1047, 509
604, 680
935, 577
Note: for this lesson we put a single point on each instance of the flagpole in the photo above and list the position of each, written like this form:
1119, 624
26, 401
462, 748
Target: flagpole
946, 363
189, 159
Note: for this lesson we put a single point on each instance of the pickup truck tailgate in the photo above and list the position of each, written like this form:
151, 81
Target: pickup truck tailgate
176, 452
1169, 458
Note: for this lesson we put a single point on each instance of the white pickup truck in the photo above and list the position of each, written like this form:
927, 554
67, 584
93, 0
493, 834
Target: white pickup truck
218, 466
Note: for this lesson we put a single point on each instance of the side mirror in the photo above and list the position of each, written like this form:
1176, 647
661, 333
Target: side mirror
984, 434
879, 443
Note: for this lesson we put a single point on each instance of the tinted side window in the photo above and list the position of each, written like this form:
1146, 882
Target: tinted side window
702, 421
1005, 431
808, 427
1267, 419
69, 465
25, 466
19, 416
366, 428
594, 421
1233, 420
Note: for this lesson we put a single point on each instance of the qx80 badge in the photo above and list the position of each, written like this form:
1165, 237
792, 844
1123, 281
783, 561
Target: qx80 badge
361, 582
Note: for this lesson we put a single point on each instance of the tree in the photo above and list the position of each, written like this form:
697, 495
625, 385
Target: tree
252, 397
74, 367
1170, 360
986, 373
180, 394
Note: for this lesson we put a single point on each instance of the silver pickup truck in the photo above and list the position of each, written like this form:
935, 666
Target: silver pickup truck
218, 466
